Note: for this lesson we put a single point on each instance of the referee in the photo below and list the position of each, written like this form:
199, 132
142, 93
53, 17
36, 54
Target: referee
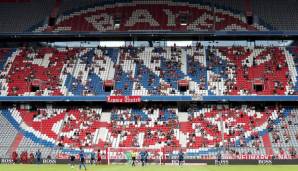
133, 157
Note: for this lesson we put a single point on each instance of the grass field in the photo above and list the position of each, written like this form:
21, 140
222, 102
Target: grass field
149, 168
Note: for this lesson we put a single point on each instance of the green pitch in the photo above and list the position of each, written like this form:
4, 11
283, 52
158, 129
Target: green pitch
147, 168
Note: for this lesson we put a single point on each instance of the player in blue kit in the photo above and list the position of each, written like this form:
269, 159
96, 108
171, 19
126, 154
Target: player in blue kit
38, 156
82, 159
92, 159
180, 157
144, 156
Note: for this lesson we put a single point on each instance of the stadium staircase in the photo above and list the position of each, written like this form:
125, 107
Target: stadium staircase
16, 142
267, 144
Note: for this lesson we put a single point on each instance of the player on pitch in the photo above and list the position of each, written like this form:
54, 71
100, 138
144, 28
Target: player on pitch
82, 159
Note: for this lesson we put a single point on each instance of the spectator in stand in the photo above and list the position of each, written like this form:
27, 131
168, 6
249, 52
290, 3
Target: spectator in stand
281, 151
293, 152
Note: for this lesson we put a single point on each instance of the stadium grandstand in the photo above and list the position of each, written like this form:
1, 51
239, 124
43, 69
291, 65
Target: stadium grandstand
200, 82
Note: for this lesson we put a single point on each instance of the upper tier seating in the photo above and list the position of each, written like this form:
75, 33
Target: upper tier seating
159, 16
149, 71
22, 16
279, 16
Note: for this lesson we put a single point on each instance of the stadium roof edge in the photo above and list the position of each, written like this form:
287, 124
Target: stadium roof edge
149, 35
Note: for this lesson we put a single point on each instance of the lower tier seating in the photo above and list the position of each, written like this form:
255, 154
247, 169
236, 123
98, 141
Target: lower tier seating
240, 129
